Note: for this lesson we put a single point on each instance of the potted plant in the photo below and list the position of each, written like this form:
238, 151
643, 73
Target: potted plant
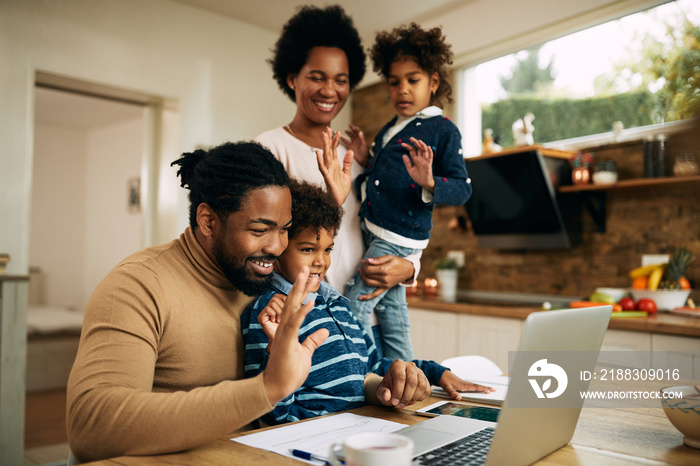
446, 274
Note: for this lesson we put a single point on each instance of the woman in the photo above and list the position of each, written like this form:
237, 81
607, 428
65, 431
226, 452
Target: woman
317, 61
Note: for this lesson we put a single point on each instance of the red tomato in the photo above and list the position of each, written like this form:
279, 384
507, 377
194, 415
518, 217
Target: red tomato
627, 304
646, 304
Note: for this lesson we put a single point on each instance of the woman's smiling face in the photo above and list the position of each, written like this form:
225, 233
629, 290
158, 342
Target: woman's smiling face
322, 85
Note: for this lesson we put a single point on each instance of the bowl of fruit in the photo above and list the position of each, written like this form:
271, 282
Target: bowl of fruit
665, 284
665, 300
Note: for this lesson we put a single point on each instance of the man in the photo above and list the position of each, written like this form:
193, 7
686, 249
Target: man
160, 363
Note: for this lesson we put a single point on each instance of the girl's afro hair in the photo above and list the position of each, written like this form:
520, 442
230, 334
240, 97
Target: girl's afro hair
427, 48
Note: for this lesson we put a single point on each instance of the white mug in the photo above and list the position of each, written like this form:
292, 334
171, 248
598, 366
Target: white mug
374, 449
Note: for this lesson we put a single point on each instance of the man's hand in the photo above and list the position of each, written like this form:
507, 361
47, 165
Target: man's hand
453, 384
338, 179
384, 272
290, 360
269, 318
403, 385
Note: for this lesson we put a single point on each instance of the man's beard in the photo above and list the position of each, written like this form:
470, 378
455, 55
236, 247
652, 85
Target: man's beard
238, 276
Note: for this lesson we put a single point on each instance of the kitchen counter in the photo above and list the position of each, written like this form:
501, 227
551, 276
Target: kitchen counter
663, 322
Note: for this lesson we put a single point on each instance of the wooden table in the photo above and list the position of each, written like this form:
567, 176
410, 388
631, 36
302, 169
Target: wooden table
602, 437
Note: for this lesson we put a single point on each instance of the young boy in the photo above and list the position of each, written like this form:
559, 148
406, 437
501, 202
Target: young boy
339, 366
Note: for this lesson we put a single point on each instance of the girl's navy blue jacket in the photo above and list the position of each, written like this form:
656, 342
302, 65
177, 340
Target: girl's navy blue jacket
393, 200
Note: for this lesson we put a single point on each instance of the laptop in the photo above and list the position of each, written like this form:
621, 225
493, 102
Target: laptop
522, 435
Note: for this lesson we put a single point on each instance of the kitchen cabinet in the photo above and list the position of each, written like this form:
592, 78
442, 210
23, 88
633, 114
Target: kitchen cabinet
434, 334
439, 335
441, 330
652, 350
491, 337
674, 352
616, 341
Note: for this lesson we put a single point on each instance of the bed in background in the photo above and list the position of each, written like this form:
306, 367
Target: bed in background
53, 333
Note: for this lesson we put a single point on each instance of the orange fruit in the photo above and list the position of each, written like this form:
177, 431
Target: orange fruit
640, 283
685, 284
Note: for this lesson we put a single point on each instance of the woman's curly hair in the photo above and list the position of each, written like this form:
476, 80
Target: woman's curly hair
313, 27
314, 208
427, 48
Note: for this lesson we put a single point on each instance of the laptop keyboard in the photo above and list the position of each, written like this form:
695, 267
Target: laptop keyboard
466, 451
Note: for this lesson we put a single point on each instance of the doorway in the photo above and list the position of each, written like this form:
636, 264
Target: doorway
86, 212
95, 166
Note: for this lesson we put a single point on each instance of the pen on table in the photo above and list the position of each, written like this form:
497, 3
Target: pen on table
310, 456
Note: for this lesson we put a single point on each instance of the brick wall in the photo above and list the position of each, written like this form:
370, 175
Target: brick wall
639, 221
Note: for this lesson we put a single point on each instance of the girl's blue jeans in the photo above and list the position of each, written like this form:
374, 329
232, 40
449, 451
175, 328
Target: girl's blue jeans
393, 338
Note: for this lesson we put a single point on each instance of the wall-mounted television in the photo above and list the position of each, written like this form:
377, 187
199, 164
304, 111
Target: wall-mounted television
515, 205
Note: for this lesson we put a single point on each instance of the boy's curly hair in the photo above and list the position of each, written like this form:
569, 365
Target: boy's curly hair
312, 207
313, 27
427, 48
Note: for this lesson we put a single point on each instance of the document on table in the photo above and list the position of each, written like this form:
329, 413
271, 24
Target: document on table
317, 435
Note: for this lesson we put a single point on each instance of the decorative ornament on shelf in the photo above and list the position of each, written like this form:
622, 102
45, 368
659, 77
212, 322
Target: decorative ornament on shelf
4, 259
522, 131
581, 163
430, 287
489, 145
605, 172
685, 165
617, 128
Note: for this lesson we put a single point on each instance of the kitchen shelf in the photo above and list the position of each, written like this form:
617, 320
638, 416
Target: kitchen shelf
594, 195
633, 183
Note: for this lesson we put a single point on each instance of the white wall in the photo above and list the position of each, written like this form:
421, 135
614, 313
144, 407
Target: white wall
112, 231
80, 224
58, 214
213, 66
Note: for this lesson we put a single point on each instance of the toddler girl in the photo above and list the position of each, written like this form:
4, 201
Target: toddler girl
417, 162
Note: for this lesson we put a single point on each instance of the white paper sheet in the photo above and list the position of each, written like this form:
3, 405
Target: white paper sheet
316, 436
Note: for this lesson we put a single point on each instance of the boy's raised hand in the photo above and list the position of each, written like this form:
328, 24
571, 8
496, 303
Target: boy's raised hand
420, 163
357, 144
290, 361
338, 179
269, 318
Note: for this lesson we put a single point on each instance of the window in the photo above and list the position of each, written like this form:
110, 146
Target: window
639, 70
